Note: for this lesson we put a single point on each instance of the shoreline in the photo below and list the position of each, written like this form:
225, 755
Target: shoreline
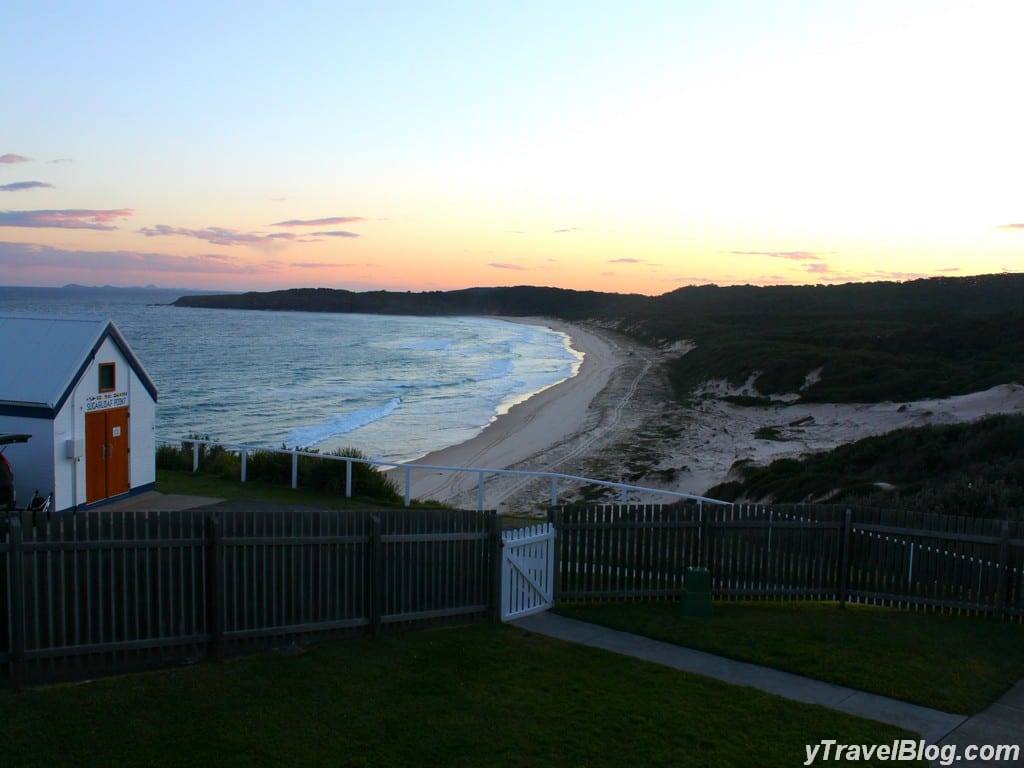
531, 427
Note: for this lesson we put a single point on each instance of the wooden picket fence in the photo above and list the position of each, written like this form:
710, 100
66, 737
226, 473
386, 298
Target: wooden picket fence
103, 592
903, 559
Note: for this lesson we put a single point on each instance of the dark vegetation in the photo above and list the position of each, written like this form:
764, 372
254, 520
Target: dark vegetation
974, 469
871, 341
273, 468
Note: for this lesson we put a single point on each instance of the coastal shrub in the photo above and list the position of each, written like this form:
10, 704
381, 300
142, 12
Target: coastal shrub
329, 476
181, 456
269, 467
223, 463
972, 469
275, 468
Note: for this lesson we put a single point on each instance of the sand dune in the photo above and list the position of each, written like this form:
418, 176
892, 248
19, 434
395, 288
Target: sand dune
615, 420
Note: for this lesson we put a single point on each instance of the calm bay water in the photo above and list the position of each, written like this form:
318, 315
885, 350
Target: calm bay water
394, 387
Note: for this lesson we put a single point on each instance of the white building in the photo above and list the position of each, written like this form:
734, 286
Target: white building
77, 388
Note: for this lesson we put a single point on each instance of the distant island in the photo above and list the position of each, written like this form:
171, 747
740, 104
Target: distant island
77, 287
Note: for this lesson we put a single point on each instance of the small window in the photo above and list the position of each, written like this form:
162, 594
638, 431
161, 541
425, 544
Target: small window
108, 381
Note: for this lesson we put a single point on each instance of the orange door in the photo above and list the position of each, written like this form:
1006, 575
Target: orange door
95, 456
106, 454
117, 451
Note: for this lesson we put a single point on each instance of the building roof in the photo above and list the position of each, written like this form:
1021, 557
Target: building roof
42, 358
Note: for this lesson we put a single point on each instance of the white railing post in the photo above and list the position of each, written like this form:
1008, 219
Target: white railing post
554, 491
195, 456
624, 496
480, 492
408, 485
295, 467
348, 479
244, 455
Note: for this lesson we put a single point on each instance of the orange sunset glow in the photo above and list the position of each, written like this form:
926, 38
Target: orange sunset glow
588, 146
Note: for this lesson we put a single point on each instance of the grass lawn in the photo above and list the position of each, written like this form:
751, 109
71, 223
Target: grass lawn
469, 696
955, 664
203, 484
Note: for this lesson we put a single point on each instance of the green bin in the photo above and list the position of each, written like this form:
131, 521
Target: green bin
696, 593
698, 580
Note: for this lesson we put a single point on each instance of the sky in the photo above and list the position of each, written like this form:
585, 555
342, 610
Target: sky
627, 147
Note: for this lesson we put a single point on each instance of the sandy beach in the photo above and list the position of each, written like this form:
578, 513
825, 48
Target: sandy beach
562, 416
615, 420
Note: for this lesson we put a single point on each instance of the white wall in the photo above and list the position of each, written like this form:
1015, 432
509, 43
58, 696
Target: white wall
143, 433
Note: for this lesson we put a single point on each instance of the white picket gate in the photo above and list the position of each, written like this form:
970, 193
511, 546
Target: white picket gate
527, 570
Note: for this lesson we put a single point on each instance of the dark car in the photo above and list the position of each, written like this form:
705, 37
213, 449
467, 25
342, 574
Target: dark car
7, 495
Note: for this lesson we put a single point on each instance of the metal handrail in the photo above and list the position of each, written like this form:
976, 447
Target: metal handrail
482, 472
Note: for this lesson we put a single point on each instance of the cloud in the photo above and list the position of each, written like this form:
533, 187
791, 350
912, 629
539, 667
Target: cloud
318, 222
337, 233
498, 265
31, 256
67, 219
10, 159
566, 229
1011, 226
217, 235
292, 237
18, 186
319, 264
818, 268
625, 260
225, 236
792, 255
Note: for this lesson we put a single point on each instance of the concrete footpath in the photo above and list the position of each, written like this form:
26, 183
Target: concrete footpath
1002, 723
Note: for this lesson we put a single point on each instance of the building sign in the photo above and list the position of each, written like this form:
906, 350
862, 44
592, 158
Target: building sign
106, 400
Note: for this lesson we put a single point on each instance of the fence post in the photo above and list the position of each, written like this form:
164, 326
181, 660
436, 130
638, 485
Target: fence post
480, 492
215, 586
705, 539
555, 518
348, 479
16, 579
497, 566
244, 454
844, 559
376, 575
1004, 568
195, 456
295, 467
554, 491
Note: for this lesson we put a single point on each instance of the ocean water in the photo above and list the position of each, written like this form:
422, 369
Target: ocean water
396, 388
